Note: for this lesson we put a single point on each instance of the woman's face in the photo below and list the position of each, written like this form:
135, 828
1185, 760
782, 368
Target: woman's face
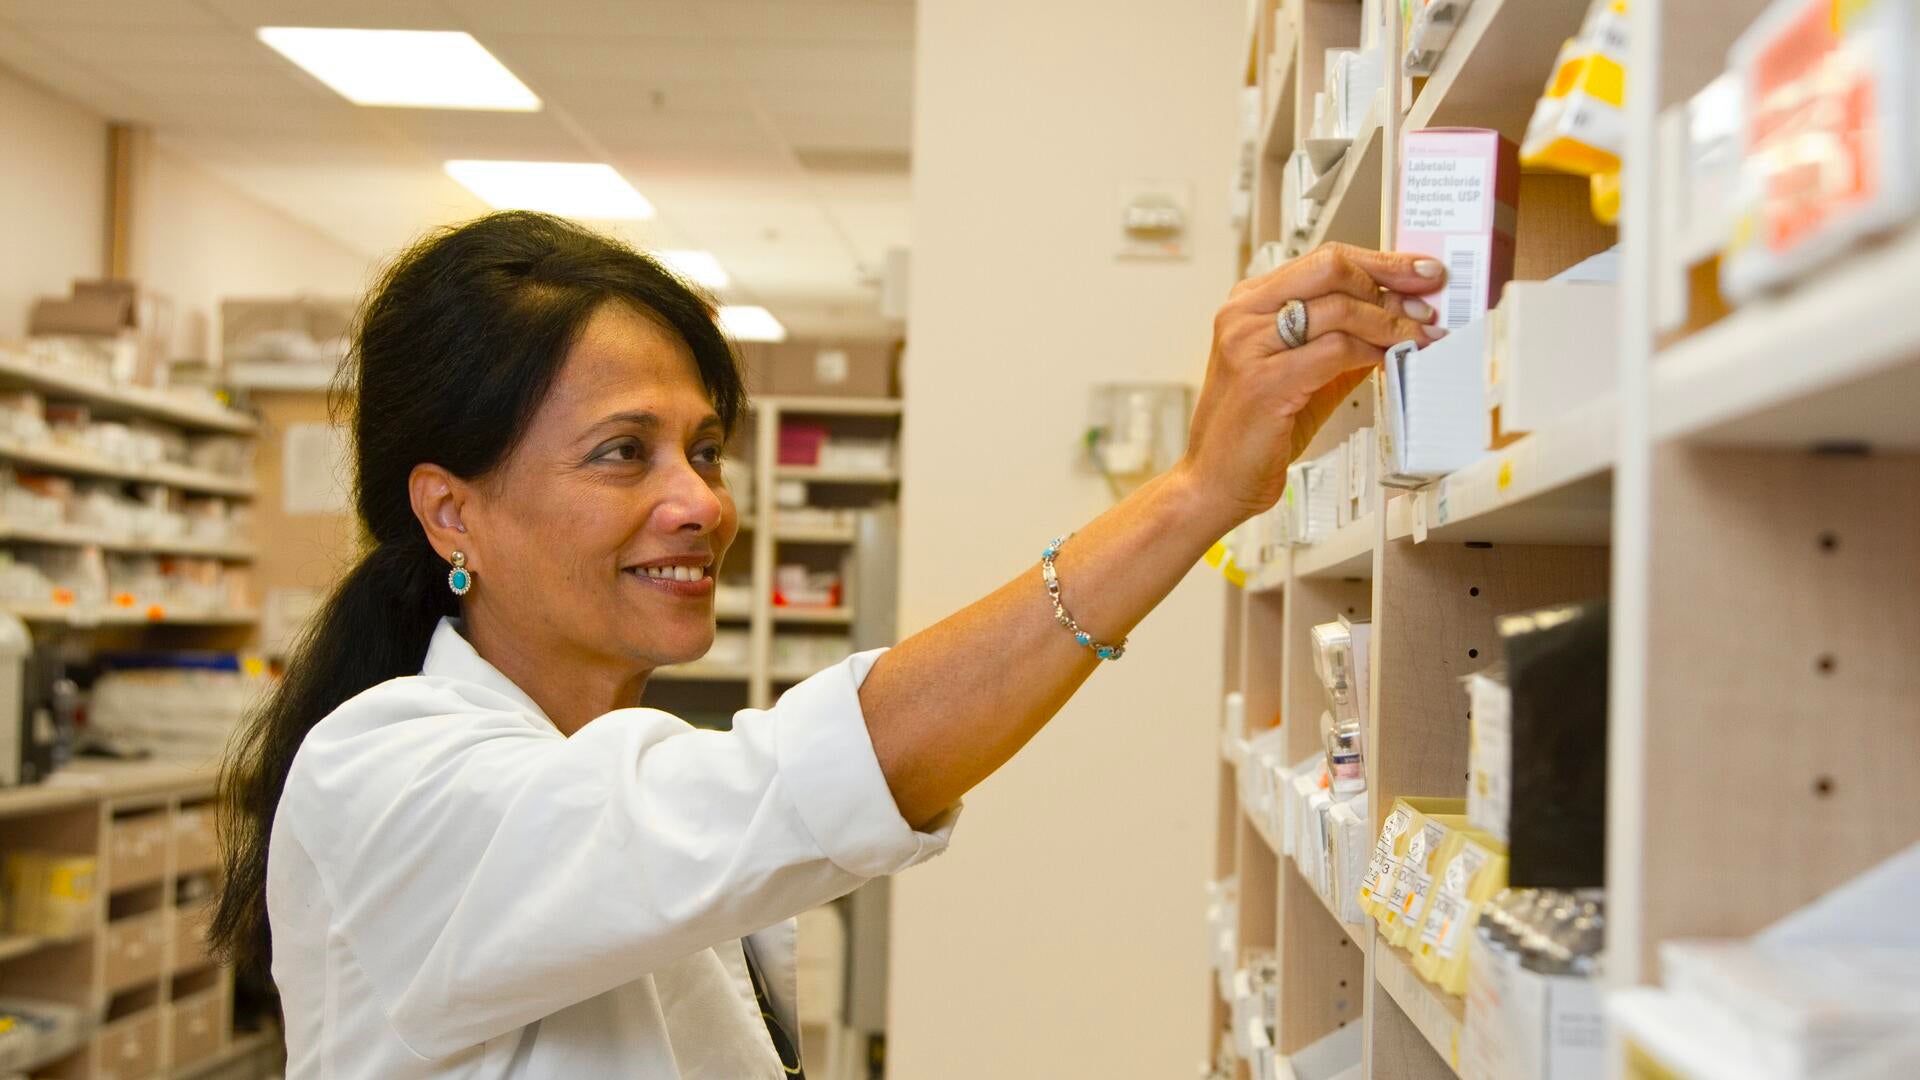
602, 531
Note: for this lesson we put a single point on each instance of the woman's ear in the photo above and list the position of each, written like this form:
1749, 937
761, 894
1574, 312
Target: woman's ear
439, 498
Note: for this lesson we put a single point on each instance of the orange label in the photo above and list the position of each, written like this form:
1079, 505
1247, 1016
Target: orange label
124, 599
156, 613
63, 597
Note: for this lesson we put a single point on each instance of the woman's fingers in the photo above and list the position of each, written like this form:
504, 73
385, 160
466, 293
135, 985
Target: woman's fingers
1342, 268
1371, 323
1411, 306
1308, 369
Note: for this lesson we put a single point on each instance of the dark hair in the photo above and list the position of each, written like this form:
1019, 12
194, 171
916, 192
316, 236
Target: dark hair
456, 347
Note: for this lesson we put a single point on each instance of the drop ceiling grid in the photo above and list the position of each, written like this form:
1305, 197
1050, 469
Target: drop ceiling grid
689, 96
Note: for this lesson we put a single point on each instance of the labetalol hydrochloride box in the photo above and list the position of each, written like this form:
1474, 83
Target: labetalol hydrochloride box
1459, 193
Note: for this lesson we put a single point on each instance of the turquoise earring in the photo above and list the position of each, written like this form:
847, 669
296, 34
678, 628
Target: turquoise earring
459, 579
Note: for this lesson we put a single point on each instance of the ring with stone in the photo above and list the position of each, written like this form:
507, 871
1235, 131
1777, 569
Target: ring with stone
1292, 321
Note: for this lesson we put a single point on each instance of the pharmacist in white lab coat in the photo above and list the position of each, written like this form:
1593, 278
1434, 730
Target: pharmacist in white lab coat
461, 847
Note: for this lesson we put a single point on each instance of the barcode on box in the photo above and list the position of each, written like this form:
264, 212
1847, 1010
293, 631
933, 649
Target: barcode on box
1463, 260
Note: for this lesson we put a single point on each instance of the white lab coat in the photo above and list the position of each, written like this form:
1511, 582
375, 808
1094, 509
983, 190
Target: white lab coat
458, 890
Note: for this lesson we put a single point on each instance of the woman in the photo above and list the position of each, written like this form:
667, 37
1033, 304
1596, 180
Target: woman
463, 849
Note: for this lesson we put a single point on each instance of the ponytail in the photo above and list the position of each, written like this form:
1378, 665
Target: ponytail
375, 626
456, 348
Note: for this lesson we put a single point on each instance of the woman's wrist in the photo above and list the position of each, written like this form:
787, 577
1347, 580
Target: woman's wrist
1211, 510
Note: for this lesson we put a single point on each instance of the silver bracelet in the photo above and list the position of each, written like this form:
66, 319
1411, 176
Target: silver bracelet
1052, 578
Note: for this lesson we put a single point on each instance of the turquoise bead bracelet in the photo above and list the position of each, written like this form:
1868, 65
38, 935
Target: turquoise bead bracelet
1052, 578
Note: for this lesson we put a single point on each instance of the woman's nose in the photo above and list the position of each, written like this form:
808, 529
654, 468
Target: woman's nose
691, 503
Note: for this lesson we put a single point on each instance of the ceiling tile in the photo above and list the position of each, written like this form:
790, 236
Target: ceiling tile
594, 18
364, 14
787, 97
109, 46
827, 62
119, 13
784, 20
612, 58
843, 131
221, 83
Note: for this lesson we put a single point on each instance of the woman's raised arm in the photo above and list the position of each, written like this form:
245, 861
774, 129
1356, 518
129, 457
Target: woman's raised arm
951, 704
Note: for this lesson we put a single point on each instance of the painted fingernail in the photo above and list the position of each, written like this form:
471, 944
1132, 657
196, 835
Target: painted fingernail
1435, 333
1427, 268
1418, 311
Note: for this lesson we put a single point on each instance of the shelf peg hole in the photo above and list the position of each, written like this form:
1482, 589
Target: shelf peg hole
1475, 591
1825, 664
1473, 654
1829, 541
1823, 786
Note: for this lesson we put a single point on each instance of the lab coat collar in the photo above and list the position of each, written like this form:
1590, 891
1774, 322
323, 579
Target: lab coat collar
451, 656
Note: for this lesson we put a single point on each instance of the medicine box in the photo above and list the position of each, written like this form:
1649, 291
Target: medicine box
1459, 197
1550, 350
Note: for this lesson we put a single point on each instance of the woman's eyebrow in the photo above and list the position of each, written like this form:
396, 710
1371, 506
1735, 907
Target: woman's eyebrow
639, 418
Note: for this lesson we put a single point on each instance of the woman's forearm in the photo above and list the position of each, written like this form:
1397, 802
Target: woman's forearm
952, 703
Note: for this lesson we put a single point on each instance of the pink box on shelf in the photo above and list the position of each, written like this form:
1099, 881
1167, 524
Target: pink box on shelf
800, 443
1459, 196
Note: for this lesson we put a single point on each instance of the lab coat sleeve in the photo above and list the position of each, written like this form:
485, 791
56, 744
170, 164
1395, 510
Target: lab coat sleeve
487, 873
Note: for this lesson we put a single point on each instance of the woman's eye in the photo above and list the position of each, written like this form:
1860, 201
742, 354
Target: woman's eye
624, 450
709, 455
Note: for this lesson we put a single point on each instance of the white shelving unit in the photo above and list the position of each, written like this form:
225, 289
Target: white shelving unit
52, 457
198, 412
759, 679
156, 1003
1748, 499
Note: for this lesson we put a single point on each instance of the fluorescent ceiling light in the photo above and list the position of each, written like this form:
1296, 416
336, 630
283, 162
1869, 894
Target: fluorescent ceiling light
420, 69
699, 267
567, 188
743, 322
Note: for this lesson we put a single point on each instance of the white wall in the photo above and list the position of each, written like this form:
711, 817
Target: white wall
1062, 934
199, 240
195, 238
53, 166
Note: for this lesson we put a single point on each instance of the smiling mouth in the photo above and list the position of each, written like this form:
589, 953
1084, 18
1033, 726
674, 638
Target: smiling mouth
687, 581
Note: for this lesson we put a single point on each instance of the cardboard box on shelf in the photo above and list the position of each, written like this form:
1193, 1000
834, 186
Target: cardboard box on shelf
812, 368
134, 323
298, 329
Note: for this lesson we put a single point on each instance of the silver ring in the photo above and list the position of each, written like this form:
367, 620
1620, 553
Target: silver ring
1292, 321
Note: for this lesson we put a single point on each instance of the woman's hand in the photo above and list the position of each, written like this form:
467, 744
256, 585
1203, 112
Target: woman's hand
1263, 402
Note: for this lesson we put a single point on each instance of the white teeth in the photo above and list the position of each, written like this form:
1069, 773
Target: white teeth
675, 573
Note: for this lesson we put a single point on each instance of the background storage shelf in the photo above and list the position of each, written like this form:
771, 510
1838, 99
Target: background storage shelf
1436, 1014
1738, 496
1550, 487
799, 405
839, 616
1348, 553
816, 475
65, 535
61, 459
107, 399
1492, 71
1352, 213
136, 615
1834, 361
